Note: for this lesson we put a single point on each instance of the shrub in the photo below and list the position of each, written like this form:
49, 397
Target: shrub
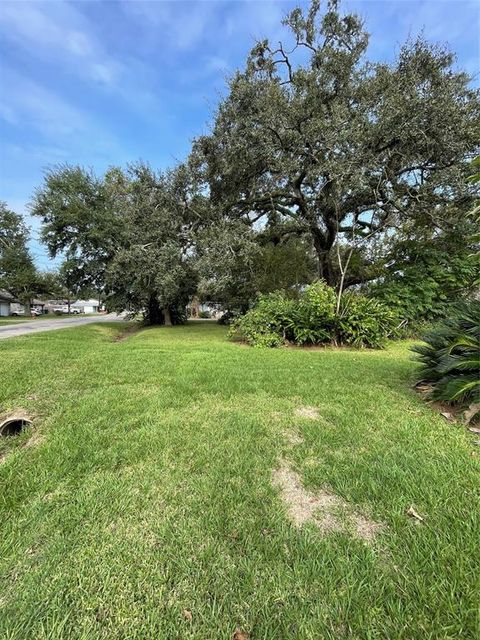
450, 357
268, 323
364, 322
426, 277
226, 318
314, 319
276, 319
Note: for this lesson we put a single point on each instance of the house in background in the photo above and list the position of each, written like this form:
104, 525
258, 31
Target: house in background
50, 305
86, 306
5, 303
39, 305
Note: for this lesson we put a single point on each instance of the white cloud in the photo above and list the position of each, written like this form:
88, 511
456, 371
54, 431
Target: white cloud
34, 105
46, 154
79, 44
26, 21
258, 19
8, 114
391, 22
56, 31
180, 24
66, 131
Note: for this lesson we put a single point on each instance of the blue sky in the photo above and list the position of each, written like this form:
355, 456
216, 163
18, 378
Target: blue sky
102, 83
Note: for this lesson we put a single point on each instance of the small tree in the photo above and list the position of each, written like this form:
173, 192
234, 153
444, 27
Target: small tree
423, 277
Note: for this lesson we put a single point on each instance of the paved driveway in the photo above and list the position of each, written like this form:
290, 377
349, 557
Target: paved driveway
24, 328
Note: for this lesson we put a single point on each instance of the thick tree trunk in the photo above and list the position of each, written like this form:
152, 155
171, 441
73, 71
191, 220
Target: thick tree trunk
154, 312
324, 260
195, 307
167, 316
325, 271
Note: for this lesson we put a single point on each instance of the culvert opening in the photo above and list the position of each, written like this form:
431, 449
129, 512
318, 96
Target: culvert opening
13, 426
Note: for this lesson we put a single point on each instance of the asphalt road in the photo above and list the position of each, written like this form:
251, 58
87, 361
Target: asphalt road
37, 325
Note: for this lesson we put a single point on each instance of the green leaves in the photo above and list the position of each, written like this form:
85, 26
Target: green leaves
426, 275
154, 270
450, 357
475, 165
339, 148
79, 220
128, 233
18, 274
365, 322
276, 319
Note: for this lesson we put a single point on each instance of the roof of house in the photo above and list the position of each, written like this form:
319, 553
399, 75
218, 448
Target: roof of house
5, 296
79, 303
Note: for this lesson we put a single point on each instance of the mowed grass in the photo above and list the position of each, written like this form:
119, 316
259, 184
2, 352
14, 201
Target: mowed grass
13, 319
140, 504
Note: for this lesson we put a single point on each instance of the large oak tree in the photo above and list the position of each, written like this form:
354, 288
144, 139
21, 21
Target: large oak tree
314, 139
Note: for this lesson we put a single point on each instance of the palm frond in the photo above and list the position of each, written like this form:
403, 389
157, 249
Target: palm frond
450, 356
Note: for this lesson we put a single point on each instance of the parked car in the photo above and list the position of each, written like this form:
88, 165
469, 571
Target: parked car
17, 309
63, 310
22, 313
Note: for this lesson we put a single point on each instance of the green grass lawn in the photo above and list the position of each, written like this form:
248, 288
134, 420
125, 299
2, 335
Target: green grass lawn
14, 319
140, 505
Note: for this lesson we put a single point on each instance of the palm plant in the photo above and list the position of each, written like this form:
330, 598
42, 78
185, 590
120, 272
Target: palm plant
450, 357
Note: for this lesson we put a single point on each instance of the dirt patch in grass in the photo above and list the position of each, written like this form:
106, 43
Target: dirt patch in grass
325, 509
127, 333
293, 438
311, 413
450, 412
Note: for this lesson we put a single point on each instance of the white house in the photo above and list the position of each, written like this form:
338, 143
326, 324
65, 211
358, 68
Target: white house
5, 301
86, 306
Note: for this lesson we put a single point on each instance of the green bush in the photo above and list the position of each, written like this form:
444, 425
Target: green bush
364, 322
450, 357
313, 321
425, 278
268, 323
310, 320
